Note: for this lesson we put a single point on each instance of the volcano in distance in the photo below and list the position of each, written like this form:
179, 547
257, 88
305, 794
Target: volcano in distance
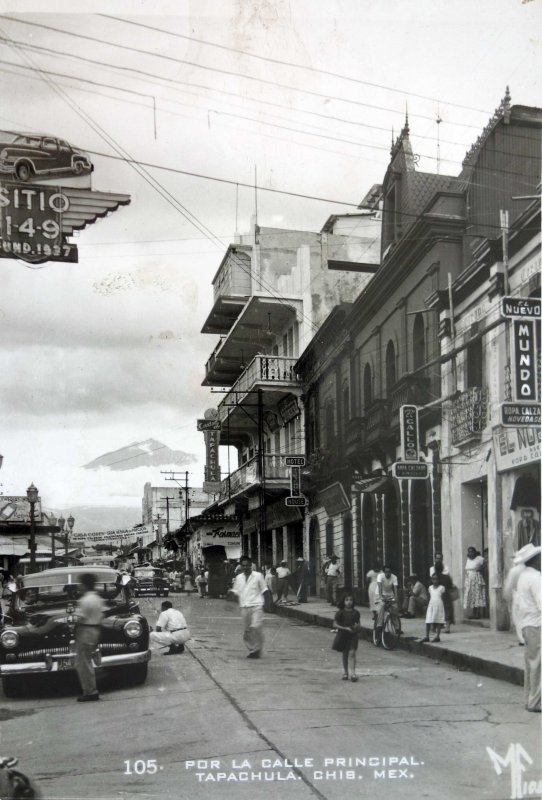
149, 453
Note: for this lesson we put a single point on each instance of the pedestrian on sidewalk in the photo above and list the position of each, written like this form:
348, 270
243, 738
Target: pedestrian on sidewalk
201, 582
249, 587
474, 596
302, 579
347, 623
333, 572
435, 610
89, 613
283, 582
271, 581
438, 560
372, 588
451, 594
529, 589
171, 629
415, 598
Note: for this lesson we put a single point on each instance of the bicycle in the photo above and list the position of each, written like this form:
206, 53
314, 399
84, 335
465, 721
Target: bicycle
387, 634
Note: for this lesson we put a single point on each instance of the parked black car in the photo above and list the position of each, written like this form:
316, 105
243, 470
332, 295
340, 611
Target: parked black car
150, 580
37, 634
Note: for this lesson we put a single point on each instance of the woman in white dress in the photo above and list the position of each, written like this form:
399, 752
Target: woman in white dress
474, 596
435, 615
371, 576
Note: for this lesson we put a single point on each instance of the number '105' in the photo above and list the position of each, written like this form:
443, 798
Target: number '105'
140, 767
49, 227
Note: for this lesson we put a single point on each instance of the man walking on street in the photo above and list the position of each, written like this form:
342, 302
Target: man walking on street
283, 582
249, 586
528, 590
332, 580
90, 612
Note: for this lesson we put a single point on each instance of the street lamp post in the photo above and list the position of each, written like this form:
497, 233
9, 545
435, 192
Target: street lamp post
66, 527
52, 523
32, 495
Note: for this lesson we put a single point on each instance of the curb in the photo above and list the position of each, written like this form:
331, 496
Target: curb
462, 661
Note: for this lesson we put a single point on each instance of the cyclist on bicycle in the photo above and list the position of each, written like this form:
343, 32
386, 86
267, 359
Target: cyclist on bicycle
386, 597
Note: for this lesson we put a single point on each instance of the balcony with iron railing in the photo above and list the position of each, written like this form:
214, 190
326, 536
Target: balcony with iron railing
249, 476
263, 371
410, 390
470, 414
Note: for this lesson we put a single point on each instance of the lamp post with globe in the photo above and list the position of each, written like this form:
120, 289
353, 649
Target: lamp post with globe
66, 527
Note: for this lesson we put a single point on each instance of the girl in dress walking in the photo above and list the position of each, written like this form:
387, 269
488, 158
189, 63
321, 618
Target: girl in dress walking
435, 615
347, 624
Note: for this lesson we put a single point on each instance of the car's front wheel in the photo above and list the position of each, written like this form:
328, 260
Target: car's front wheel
12, 685
24, 170
78, 167
138, 674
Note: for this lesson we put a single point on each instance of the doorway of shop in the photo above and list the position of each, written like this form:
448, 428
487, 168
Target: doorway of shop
422, 529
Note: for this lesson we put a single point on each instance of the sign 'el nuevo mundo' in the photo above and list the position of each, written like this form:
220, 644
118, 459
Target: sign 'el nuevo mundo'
36, 219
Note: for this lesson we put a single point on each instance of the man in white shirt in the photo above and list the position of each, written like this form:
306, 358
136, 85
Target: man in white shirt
332, 580
171, 629
529, 588
438, 559
283, 580
249, 586
89, 612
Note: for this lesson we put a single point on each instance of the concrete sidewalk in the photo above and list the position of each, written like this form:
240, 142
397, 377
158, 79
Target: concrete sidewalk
469, 646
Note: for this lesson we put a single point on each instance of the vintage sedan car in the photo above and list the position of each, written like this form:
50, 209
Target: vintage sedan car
37, 635
150, 580
26, 156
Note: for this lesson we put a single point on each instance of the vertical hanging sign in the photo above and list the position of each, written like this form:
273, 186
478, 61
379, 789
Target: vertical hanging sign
524, 351
409, 433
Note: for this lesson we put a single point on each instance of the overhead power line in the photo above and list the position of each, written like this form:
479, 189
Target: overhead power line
266, 59
230, 73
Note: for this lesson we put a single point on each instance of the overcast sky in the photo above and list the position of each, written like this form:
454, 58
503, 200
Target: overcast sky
99, 354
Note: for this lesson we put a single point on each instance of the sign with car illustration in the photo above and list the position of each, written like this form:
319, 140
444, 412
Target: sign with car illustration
36, 218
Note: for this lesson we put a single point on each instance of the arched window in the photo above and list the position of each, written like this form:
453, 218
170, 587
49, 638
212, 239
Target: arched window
367, 387
418, 337
390, 367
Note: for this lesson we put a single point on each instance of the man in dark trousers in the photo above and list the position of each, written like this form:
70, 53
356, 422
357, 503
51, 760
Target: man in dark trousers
90, 612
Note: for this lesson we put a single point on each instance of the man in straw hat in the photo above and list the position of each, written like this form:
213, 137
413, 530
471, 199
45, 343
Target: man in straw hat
529, 588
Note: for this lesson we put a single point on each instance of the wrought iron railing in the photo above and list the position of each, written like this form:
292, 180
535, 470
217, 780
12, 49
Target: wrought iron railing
263, 369
470, 414
274, 465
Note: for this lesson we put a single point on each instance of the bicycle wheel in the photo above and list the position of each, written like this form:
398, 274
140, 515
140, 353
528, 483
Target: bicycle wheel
391, 632
377, 636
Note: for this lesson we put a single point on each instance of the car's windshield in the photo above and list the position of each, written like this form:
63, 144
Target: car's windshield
146, 573
49, 594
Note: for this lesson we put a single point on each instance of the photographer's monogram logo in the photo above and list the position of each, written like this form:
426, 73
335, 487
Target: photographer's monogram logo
517, 759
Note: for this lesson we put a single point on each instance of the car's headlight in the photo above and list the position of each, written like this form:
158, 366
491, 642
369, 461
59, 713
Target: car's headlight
9, 639
133, 629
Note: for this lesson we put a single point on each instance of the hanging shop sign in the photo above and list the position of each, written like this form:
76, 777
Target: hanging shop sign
524, 360
409, 433
119, 537
524, 415
36, 219
521, 307
334, 499
272, 421
220, 533
288, 408
409, 470
209, 425
16, 509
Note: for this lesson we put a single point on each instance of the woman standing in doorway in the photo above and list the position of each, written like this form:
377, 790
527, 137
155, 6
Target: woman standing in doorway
474, 596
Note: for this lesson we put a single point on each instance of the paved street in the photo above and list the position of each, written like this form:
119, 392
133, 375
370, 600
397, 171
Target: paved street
219, 726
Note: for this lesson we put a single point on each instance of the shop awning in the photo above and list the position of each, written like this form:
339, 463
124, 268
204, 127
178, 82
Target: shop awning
373, 485
11, 547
